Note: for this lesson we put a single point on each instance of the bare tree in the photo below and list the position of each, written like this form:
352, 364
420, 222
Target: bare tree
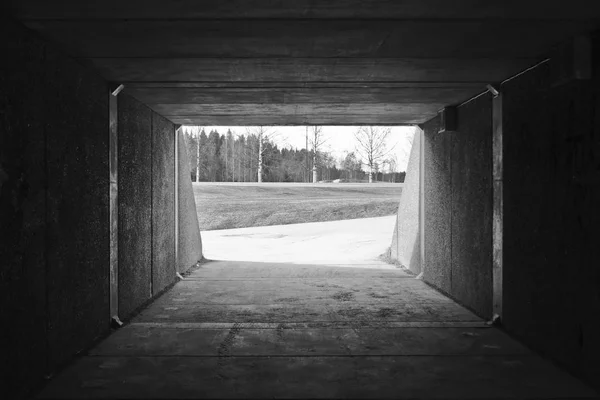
263, 135
372, 145
195, 132
317, 141
306, 178
231, 139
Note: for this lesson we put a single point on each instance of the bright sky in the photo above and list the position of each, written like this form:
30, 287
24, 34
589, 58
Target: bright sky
340, 139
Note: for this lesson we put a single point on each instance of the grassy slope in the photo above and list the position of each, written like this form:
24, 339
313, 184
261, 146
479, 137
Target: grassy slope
228, 206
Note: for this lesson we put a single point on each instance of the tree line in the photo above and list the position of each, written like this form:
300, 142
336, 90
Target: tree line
255, 157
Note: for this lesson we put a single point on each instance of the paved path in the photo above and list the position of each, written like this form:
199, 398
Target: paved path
337, 243
240, 329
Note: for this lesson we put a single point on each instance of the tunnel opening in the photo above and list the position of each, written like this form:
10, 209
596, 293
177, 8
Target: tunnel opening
94, 216
293, 167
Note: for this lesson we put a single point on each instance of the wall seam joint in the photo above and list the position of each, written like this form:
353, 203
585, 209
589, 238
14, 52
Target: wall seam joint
46, 264
151, 204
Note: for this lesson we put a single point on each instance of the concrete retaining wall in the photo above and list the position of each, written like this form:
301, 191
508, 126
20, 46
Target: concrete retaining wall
438, 201
406, 243
164, 265
190, 242
135, 204
551, 142
54, 208
551, 216
54, 204
458, 207
146, 204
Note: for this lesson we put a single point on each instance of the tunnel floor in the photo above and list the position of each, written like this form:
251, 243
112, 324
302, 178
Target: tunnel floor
245, 329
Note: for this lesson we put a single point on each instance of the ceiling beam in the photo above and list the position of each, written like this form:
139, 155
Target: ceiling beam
308, 38
399, 111
219, 9
303, 85
211, 96
295, 120
309, 70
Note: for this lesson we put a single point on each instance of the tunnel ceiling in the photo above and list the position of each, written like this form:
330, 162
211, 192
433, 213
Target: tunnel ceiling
306, 62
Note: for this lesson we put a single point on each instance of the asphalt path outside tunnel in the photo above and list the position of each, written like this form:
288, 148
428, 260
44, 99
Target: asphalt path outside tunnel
357, 242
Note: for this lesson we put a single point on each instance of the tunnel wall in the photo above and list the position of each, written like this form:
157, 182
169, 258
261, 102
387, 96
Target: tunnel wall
164, 265
190, 241
54, 204
551, 250
135, 204
406, 243
146, 176
458, 206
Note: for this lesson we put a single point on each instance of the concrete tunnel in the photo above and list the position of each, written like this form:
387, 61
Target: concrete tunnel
500, 213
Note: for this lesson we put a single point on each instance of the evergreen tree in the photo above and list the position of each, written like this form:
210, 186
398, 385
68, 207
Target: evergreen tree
235, 158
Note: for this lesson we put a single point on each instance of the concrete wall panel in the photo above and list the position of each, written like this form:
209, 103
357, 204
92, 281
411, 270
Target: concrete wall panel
53, 208
458, 207
551, 283
164, 265
551, 197
190, 242
438, 232
471, 200
76, 106
406, 243
22, 211
146, 204
135, 204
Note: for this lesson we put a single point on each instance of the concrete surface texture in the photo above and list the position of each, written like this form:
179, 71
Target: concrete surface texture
458, 207
135, 204
471, 203
54, 233
146, 204
357, 242
551, 218
164, 265
241, 329
341, 62
406, 241
438, 198
190, 241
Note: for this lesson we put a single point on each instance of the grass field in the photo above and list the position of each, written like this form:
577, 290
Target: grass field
241, 205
